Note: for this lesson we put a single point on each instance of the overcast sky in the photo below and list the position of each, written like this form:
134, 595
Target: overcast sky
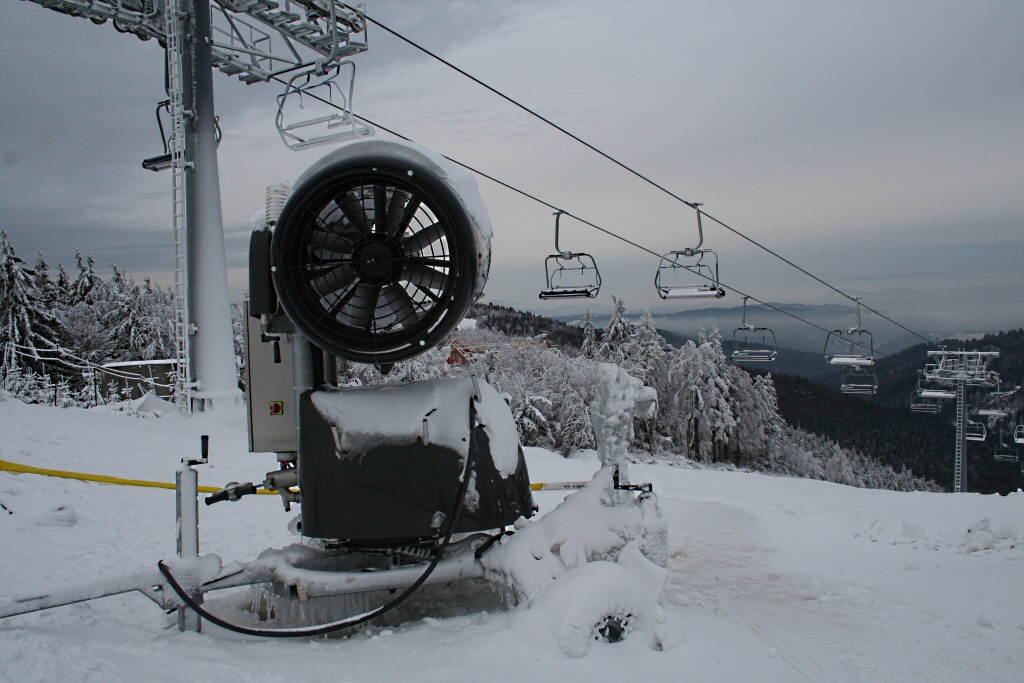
879, 145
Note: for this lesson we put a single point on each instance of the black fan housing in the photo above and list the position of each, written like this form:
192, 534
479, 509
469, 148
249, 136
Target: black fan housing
377, 255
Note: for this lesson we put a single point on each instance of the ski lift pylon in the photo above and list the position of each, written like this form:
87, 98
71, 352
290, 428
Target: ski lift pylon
569, 274
850, 347
331, 122
676, 270
753, 344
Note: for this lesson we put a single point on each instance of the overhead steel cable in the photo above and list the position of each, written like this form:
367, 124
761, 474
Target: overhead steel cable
587, 222
629, 169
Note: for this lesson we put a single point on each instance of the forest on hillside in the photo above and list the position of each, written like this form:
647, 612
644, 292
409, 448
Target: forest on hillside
710, 411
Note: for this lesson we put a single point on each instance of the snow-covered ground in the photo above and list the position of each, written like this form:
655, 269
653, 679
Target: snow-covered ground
771, 578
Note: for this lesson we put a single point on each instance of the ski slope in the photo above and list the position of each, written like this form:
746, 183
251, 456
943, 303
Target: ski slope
771, 578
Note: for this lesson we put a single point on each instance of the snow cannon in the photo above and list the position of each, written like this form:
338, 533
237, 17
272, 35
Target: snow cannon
375, 257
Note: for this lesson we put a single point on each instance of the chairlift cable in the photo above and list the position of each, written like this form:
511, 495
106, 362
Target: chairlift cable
634, 172
613, 234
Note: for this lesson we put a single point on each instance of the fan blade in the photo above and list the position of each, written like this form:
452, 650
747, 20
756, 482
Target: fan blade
425, 261
361, 306
419, 241
400, 213
380, 207
335, 280
422, 276
399, 304
354, 209
331, 241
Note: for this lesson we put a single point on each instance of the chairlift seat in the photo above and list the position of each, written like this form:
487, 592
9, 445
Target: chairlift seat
850, 359
691, 292
925, 407
992, 412
1018, 434
571, 275
755, 355
936, 393
854, 388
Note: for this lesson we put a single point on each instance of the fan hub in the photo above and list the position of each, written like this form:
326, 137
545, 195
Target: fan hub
378, 259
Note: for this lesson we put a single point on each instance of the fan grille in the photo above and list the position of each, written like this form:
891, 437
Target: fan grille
374, 263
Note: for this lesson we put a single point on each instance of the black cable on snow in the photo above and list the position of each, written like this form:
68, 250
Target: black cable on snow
324, 629
634, 172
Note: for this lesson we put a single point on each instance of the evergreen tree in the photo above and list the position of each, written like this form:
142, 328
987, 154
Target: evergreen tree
589, 347
618, 331
82, 290
27, 325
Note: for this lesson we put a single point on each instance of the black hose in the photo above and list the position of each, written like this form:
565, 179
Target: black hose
349, 621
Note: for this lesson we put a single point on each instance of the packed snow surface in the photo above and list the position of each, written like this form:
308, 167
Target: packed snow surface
768, 578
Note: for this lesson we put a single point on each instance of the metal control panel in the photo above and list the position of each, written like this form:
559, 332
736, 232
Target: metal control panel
269, 389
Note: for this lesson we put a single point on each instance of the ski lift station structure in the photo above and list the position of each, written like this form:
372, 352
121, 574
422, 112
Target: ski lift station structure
960, 370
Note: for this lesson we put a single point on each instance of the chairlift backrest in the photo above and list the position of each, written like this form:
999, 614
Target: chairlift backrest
569, 274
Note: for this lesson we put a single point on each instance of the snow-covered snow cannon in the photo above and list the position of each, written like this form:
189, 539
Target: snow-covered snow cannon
375, 257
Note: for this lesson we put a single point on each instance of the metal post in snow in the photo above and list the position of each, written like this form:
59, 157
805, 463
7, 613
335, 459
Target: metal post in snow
187, 515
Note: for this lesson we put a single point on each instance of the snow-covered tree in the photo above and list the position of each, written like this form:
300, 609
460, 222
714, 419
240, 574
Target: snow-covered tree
618, 331
589, 347
27, 324
82, 289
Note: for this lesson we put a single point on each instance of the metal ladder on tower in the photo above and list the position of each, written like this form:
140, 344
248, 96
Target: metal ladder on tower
961, 438
178, 164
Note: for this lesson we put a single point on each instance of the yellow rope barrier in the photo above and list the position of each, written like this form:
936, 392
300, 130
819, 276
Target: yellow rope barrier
104, 479
100, 478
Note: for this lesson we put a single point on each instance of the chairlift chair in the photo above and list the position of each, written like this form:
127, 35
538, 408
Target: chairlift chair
990, 407
935, 390
1005, 452
975, 431
1018, 434
690, 273
859, 379
753, 344
920, 403
570, 274
331, 123
850, 347
162, 162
